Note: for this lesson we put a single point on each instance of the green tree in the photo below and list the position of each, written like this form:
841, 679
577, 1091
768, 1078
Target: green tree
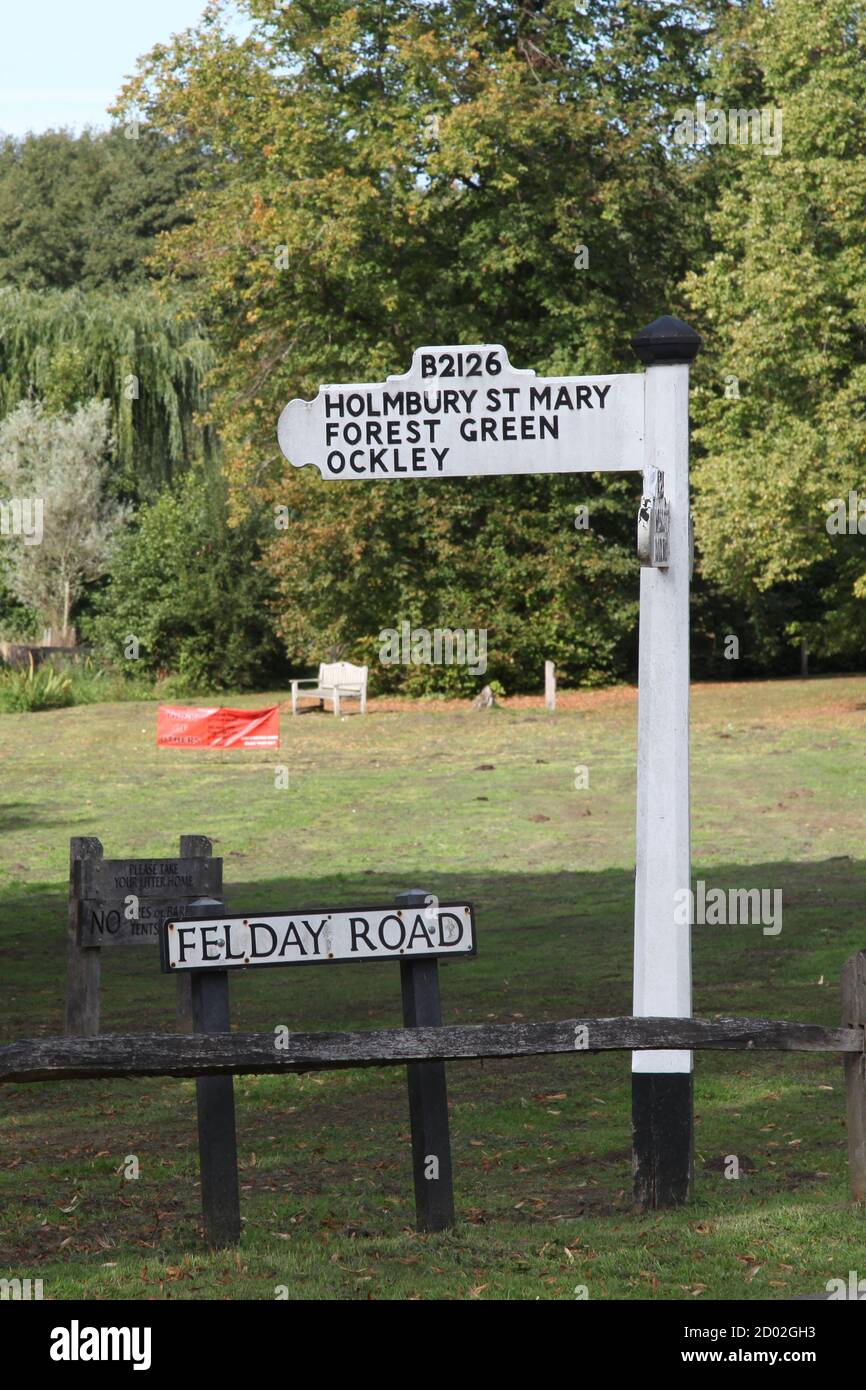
57, 465
190, 589
82, 211
392, 174
781, 399
17, 621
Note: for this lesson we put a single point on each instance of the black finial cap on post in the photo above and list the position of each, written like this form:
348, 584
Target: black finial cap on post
666, 342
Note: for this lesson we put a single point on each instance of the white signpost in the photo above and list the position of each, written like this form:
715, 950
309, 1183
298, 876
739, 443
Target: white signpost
465, 411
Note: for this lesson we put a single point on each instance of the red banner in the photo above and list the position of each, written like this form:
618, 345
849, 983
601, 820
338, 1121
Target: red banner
184, 726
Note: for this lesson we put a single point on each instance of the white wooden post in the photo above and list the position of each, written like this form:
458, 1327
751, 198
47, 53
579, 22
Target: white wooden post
549, 685
662, 1081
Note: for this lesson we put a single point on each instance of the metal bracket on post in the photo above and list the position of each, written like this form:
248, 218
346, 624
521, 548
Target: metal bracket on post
428, 1096
654, 527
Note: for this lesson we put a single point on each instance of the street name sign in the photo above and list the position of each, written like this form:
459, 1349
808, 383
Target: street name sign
465, 411
316, 937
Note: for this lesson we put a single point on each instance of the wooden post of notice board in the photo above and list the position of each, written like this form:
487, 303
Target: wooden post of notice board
82, 962
121, 902
191, 847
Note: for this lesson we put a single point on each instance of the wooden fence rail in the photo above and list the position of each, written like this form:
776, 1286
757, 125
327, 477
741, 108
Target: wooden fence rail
204, 1054
213, 1054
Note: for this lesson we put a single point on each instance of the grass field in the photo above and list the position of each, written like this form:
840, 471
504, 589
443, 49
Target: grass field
462, 804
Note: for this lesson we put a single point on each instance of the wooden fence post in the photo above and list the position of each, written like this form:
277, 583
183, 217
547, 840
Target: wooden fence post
215, 1099
191, 847
549, 685
428, 1095
854, 1016
82, 962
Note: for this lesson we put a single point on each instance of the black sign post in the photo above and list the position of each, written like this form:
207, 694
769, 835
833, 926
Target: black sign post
215, 1100
428, 1094
122, 902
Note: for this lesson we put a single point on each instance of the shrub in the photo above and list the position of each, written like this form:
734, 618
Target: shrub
39, 688
190, 590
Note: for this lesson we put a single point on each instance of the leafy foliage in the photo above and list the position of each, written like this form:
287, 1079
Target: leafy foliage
17, 621
37, 688
58, 464
346, 183
351, 566
784, 306
389, 175
190, 589
82, 211
143, 353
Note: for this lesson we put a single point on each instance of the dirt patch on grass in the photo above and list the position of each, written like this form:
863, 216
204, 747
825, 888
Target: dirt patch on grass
565, 699
804, 700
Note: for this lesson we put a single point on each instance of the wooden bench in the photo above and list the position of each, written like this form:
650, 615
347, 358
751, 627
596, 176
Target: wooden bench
336, 681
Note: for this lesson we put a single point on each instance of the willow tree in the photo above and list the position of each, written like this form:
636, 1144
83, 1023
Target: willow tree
143, 352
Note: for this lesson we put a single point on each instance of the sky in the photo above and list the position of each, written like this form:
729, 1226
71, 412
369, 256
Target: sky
63, 61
